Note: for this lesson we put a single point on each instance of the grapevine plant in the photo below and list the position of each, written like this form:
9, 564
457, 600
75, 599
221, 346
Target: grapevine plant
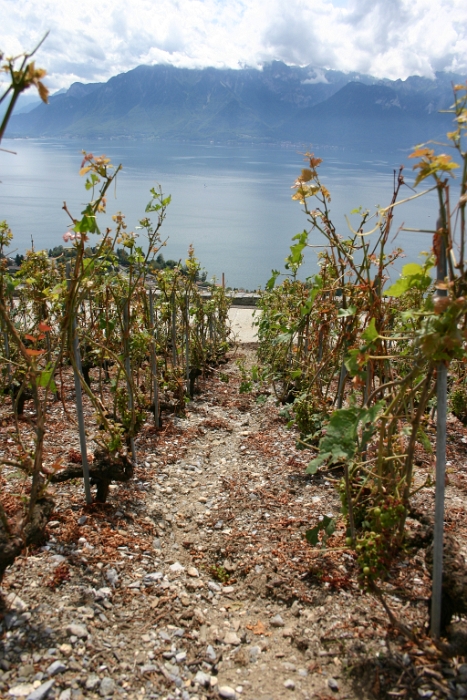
357, 357
135, 341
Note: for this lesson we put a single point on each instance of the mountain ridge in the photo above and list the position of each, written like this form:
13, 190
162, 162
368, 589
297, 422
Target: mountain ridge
279, 103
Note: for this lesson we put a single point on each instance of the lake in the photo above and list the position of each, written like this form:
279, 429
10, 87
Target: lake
232, 202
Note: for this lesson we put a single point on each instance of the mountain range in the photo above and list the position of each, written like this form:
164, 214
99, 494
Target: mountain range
275, 104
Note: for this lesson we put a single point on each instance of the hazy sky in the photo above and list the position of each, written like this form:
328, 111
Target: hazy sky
91, 40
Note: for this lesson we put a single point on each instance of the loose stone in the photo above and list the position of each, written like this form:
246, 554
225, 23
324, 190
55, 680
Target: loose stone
92, 682
176, 568
276, 621
210, 653
79, 631
232, 638
56, 667
107, 687
21, 690
202, 679
41, 691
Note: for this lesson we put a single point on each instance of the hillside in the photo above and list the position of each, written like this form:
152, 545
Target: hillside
276, 104
197, 576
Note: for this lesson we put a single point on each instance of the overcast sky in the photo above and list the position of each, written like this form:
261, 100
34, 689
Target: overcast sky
92, 40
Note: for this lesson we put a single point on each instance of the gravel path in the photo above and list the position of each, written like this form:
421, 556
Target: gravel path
194, 581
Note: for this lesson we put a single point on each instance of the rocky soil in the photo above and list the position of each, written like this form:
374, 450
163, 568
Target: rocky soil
195, 581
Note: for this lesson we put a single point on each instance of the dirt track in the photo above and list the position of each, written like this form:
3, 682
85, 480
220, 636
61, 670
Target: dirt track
195, 580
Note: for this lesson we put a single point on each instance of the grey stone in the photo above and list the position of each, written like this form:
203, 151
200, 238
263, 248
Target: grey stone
107, 687
41, 692
92, 682
289, 684
180, 657
15, 602
203, 679
58, 559
288, 666
225, 691
65, 694
210, 653
232, 638
333, 684
111, 576
56, 667
277, 621
153, 577
148, 668
213, 586
172, 669
82, 520
21, 690
176, 568
103, 593
255, 651
79, 631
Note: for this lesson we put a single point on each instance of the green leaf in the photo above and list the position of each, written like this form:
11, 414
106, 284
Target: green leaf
88, 262
315, 464
344, 313
328, 524
270, 284
312, 535
295, 258
45, 380
341, 441
368, 419
282, 338
352, 361
370, 334
413, 276
424, 440
296, 253
153, 207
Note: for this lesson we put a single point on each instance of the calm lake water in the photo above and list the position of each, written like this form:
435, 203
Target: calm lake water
233, 203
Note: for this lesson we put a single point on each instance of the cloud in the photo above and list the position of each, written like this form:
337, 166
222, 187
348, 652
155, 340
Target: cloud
317, 75
92, 41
